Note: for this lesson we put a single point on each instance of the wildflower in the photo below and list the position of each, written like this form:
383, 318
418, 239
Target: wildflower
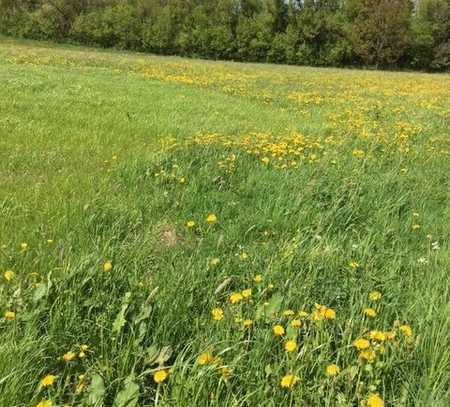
330, 314
82, 355
69, 356
290, 346
24, 246
289, 381
190, 224
367, 355
205, 359
302, 314
377, 336
211, 219
49, 242
332, 370
405, 330
296, 323
235, 298
10, 315
288, 313
358, 153
225, 371
247, 323
390, 335
265, 160
375, 401
160, 376
45, 403
370, 312
278, 330
354, 265
8, 275
361, 344
84, 347
107, 267
243, 256
48, 380
214, 261
375, 296
217, 314
247, 293
258, 279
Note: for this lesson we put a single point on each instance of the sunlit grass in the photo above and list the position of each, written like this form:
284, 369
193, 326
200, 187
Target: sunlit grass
180, 232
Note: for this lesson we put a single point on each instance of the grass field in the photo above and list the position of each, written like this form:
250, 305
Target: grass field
178, 232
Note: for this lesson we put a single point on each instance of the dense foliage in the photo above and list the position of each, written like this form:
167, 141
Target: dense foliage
381, 33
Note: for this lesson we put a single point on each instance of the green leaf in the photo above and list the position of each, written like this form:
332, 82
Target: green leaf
120, 320
96, 391
152, 355
39, 292
129, 395
164, 355
273, 306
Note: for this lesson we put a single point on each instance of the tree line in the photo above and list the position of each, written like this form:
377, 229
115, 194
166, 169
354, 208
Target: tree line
379, 33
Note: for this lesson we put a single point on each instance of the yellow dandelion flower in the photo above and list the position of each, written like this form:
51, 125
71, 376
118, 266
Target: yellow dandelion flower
247, 323
82, 355
243, 256
160, 376
375, 401
377, 336
45, 403
390, 335
296, 323
84, 347
353, 264
265, 160
205, 359
69, 356
10, 315
247, 293
290, 346
190, 224
278, 330
369, 312
288, 313
329, 314
358, 153
375, 296
258, 279
235, 298
217, 314
361, 344
288, 381
225, 372
215, 261
367, 355
8, 275
48, 380
302, 314
405, 330
24, 246
332, 370
107, 267
211, 219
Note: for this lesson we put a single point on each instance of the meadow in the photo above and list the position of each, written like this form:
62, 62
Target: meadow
180, 232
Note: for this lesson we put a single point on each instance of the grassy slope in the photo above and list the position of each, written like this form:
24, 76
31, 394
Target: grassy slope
64, 111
